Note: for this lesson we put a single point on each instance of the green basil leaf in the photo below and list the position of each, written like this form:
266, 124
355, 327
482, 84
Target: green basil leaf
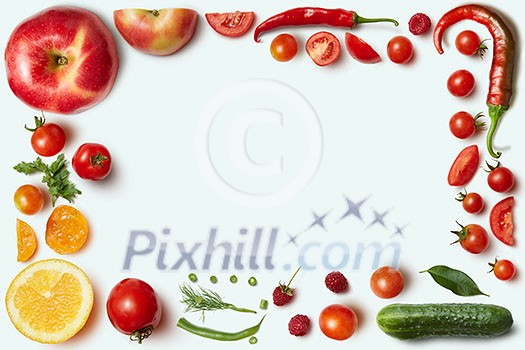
454, 280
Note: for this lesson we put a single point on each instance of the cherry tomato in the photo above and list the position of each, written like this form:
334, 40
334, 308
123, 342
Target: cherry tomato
338, 321
400, 49
461, 83
323, 48
92, 161
463, 125
468, 43
29, 200
473, 238
501, 222
500, 179
360, 50
472, 202
284, 47
230, 24
464, 167
134, 308
503, 269
48, 138
387, 282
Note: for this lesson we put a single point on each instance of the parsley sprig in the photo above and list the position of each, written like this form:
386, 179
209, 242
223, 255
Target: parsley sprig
56, 177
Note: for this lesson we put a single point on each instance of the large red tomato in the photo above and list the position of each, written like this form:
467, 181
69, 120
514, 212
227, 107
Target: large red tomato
338, 321
92, 161
134, 308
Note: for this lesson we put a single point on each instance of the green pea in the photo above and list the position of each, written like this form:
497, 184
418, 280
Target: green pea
252, 281
192, 277
253, 340
214, 279
233, 279
263, 305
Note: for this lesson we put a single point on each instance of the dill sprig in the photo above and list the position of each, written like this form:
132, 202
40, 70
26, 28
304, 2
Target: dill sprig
206, 300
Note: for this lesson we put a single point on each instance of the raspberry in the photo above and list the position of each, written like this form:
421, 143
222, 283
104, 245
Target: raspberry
419, 24
299, 325
282, 295
336, 282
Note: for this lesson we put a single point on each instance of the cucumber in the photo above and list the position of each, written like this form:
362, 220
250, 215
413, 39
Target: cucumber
417, 321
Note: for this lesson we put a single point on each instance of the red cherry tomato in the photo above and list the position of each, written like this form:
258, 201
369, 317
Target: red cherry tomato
461, 83
463, 125
468, 43
360, 50
92, 161
284, 47
323, 48
387, 282
338, 322
472, 202
500, 178
134, 308
464, 166
503, 269
400, 49
501, 222
28, 199
473, 238
230, 24
48, 138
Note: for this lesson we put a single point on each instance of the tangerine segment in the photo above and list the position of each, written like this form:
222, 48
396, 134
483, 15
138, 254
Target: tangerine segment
26, 240
66, 230
49, 301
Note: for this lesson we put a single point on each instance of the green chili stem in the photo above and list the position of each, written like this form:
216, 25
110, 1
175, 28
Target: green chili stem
358, 20
218, 335
495, 113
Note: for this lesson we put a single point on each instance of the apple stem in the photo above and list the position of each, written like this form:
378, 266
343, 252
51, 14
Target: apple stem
155, 13
62, 61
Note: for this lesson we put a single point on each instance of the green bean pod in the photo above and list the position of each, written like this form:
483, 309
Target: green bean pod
218, 335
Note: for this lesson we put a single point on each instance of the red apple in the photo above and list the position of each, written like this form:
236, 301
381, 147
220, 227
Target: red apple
61, 60
156, 32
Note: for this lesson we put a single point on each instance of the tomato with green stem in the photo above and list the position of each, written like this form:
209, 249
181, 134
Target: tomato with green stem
400, 49
48, 139
468, 43
473, 238
503, 269
134, 308
500, 178
92, 161
461, 83
29, 199
284, 47
472, 202
387, 282
501, 221
463, 125
338, 322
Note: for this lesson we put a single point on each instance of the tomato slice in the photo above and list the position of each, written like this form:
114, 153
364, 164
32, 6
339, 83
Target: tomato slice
231, 24
464, 167
501, 222
323, 48
360, 49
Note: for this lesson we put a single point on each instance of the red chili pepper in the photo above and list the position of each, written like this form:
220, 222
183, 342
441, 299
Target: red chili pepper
315, 16
502, 69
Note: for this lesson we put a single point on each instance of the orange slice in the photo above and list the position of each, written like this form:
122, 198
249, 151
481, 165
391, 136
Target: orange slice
49, 301
66, 230
26, 240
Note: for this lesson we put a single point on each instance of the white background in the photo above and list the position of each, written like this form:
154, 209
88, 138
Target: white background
385, 138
